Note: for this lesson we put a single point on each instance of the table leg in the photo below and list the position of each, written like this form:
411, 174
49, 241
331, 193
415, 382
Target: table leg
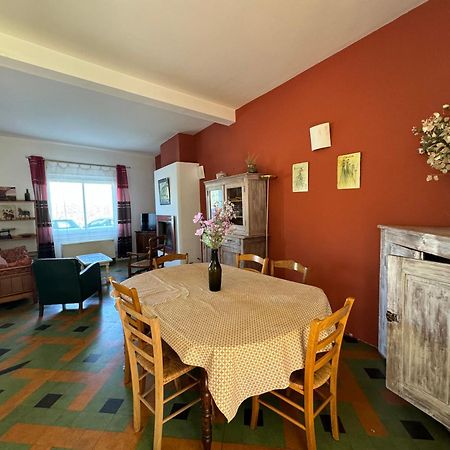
206, 412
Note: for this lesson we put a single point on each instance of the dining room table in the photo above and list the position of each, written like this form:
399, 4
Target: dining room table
248, 337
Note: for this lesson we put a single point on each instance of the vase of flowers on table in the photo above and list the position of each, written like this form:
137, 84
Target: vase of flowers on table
212, 233
434, 135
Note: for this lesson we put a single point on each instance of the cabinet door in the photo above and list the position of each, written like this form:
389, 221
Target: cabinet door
228, 255
418, 360
235, 193
214, 197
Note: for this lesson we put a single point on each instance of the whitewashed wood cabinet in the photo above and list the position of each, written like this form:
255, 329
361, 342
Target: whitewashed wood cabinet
415, 316
247, 192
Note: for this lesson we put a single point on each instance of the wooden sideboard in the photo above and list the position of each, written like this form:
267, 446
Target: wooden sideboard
414, 316
142, 238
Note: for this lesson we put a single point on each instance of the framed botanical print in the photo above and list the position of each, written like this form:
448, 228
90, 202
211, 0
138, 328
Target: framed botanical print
164, 191
300, 177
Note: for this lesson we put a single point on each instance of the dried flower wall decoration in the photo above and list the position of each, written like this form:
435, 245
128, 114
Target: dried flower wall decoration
435, 141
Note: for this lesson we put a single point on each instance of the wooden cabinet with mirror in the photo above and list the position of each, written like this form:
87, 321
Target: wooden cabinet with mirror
248, 194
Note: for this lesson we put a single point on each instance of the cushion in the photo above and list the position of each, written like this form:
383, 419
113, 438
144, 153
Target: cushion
3, 262
14, 254
24, 261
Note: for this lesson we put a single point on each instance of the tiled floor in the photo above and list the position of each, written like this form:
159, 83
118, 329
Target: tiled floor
61, 387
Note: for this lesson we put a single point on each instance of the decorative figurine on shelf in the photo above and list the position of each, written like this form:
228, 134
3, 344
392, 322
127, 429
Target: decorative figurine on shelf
212, 233
251, 163
27, 196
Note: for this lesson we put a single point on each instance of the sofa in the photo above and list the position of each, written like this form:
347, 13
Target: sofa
16, 278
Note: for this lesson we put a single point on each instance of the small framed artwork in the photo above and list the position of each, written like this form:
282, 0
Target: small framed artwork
7, 193
7, 212
320, 136
349, 171
164, 191
300, 177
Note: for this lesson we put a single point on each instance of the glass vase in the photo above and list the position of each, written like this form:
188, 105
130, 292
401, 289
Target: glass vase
214, 271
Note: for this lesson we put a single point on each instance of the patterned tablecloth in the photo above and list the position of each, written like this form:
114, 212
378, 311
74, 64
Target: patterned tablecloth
250, 336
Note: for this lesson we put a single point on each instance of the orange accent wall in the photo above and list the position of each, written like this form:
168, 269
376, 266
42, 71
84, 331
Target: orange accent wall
372, 92
180, 147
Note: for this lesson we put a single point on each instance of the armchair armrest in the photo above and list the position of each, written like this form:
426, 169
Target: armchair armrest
90, 279
137, 256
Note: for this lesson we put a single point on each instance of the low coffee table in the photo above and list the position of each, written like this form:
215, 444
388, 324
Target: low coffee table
92, 258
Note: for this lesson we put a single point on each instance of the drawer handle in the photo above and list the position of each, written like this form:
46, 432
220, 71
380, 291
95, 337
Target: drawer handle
391, 317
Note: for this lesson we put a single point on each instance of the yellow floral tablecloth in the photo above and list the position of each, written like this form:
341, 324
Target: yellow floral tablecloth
249, 337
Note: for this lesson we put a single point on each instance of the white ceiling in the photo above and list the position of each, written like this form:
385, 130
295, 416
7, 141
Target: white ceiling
128, 74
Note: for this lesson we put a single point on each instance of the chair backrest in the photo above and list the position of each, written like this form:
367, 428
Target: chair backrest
145, 349
155, 244
264, 262
158, 263
288, 264
321, 349
128, 297
56, 278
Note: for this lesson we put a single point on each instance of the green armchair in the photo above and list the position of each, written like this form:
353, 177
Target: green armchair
61, 281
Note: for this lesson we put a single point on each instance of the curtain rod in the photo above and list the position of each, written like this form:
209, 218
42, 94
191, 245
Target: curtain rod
74, 162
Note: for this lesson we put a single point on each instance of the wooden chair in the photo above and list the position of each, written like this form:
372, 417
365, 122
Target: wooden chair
147, 358
142, 262
130, 298
321, 367
288, 264
264, 262
158, 263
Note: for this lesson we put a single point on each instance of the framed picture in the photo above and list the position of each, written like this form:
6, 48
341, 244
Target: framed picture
320, 136
7, 193
164, 191
349, 171
7, 212
300, 177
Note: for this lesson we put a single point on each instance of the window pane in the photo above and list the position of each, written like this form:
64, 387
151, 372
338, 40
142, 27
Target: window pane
66, 205
99, 205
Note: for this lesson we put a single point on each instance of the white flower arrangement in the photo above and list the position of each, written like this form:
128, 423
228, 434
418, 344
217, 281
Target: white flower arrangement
435, 141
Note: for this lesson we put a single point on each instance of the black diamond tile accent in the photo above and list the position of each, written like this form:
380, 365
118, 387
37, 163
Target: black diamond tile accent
111, 405
350, 339
6, 325
42, 327
81, 329
182, 416
4, 350
48, 401
248, 417
92, 358
326, 423
416, 430
373, 372
13, 368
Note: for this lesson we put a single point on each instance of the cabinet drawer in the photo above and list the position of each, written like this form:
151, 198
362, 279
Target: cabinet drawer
233, 242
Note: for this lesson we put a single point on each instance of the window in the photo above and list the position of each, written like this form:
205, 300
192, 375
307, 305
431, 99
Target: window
82, 201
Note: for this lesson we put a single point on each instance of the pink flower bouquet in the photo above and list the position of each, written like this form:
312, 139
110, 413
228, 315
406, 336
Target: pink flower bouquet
213, 231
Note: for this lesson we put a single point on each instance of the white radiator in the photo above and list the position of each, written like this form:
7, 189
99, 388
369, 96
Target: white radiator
107, 247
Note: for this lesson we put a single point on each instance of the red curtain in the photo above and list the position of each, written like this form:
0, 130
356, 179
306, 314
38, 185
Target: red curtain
46, 247
123, 212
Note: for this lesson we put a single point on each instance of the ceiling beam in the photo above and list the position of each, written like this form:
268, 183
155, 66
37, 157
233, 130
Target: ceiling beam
44, 62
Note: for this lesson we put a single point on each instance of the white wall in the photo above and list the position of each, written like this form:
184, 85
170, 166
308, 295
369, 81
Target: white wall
15, 171
184, 204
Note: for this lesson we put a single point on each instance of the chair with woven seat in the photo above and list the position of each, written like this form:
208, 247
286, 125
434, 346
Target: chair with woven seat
249, 257
147, 358
321, 367
130, 298
158, 263
142, 262
290, 265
